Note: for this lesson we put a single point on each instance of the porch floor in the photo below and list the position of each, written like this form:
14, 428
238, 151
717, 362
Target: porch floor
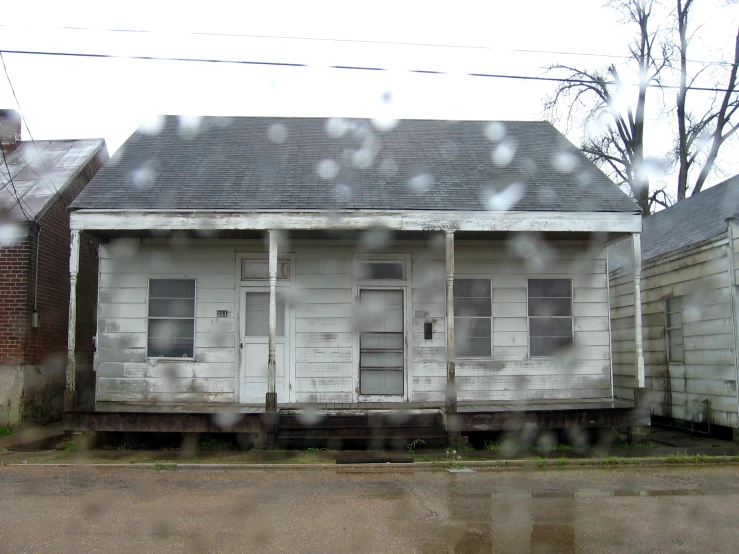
335, 418
462, 407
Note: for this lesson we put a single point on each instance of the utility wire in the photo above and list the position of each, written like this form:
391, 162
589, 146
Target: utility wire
55, 191
347, 40
358, 68
10, 183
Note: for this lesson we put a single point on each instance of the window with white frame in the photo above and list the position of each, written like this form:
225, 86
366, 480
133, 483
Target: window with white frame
171, 331
473, 318
550, 316
674, 329
381, 270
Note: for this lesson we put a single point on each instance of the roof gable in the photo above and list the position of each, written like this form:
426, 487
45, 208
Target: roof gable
255, 163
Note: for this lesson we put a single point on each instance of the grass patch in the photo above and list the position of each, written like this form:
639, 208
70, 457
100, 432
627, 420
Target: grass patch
542, 462
612, 461
678, 458
625, 444
160, 465
562, 461
5, 431
491, 446
70, 446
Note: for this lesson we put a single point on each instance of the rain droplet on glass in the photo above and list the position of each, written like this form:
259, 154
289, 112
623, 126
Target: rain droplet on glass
327, 169
277, 133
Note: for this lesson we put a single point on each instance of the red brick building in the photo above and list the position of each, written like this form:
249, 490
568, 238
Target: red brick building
38, 181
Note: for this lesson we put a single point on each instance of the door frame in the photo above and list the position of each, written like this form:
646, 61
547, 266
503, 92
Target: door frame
286, 287
406, 288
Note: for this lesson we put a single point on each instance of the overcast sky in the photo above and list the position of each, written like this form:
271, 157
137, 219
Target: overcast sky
75, 97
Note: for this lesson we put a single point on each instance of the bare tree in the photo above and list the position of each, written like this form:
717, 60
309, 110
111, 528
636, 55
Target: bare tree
593, 95
714, 126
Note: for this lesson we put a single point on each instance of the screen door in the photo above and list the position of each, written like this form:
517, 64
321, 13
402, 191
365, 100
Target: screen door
381, 342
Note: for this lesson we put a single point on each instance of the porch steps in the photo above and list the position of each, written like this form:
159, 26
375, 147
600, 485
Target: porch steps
370, 429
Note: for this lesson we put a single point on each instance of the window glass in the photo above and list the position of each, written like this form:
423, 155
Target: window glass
381, 271
674, 329
259, 269
171, 325
550, 316
473, 322
257, 315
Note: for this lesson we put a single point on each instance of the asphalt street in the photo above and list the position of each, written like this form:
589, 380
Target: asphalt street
113, 509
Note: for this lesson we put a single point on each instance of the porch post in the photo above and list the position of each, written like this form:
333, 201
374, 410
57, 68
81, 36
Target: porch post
271, 400
639, 431
70, 393
451, 390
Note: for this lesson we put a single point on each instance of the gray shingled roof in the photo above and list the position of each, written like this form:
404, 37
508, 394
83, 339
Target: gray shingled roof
248, 163
690, 221
39, 171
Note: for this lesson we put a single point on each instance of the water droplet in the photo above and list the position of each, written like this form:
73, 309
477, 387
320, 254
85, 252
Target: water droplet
189, 126
143, 177
327, 169
336, 127
11, 233
385, 123
495, 131
502, 199
153, 125
502, 155
421, 182
362, 158
343, 191
564, 162
277, 133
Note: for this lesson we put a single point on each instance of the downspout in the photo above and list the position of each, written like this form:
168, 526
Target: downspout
34, 316
734, 300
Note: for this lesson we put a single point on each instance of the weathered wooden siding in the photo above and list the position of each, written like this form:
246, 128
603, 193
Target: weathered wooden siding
323, 303
123, 372
678, 390
510, 374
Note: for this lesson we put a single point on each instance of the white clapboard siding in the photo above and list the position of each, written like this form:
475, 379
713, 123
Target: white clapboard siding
323, 369
708, 372
323, 340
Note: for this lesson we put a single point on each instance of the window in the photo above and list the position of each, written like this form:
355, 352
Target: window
473, 318
674, 329
381, 270
550, 316
171, 318
257, 314
259, 270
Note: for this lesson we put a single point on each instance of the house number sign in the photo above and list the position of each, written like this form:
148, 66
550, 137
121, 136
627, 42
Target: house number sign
222, 313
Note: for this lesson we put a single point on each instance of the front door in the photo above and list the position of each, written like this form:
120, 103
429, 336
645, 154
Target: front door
381, 343
254, 327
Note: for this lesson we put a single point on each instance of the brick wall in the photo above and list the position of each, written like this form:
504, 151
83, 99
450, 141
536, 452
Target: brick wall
49, 341
13, 314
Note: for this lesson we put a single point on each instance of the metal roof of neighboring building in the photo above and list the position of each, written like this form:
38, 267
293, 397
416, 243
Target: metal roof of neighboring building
38, 172
262, 163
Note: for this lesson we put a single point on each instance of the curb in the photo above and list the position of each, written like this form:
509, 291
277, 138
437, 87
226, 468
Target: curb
496, 464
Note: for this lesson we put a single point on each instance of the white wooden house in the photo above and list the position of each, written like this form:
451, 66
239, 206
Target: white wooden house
274, 261
688, 302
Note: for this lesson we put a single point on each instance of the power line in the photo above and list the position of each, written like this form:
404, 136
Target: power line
344, 67
350, 41
10, 182
55, 191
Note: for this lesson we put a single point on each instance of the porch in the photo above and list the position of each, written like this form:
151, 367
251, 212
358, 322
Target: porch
296, 424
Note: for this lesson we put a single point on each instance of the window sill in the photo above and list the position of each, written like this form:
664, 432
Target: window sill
162, 359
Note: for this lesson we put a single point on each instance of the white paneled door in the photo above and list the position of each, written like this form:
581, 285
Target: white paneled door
254, 328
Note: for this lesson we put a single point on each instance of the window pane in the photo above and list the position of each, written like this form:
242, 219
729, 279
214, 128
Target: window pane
467, 307
675, 320
464, 288
551, 327
170, 348
382, 360
677, 354
674, 304
472, 327
550, 288
171, 328
381, 270
548, 346
257, 315
171, 308
259, 269
550, 307
171, 288
471, 346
